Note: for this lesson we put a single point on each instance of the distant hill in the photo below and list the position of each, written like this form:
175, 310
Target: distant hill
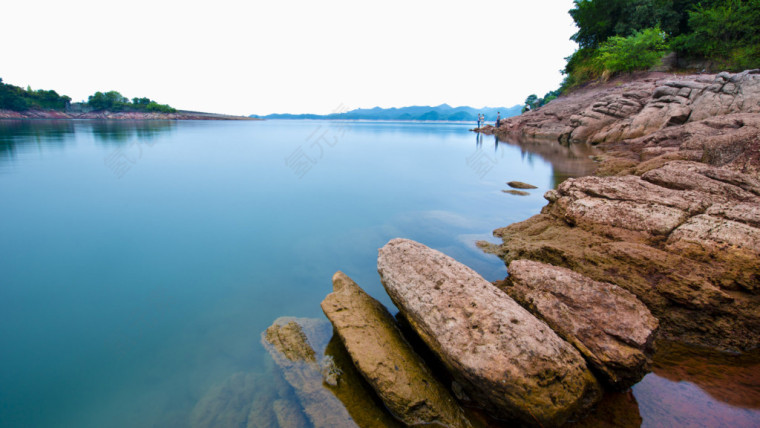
443, 112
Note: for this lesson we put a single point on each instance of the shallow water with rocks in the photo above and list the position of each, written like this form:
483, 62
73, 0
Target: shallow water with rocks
141, 262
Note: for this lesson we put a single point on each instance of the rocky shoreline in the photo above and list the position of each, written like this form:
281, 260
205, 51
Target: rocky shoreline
660, 247
673, 213
179, 115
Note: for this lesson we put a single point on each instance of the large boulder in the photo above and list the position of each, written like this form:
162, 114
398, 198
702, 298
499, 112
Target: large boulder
385, 359
611, 328
500, 354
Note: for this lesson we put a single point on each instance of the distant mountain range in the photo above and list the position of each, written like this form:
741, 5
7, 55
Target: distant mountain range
443, 112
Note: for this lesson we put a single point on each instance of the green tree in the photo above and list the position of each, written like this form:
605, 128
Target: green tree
727, 32
640, 51
111, 100
598, 20
18, 99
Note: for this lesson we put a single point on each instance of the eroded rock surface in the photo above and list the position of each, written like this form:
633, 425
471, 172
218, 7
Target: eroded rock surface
683, 237
385, 359
500, 354
611, 328
639, 106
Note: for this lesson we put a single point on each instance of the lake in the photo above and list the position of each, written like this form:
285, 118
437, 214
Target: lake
140, 261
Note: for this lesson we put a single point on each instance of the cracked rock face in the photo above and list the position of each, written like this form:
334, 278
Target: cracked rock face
498, 352
385, 359
628, 110
610, 327
682, 237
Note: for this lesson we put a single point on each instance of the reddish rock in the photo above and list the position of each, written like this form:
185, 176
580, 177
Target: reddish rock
610, 327
500, 354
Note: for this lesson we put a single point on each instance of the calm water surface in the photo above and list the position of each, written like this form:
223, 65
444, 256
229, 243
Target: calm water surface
140, 261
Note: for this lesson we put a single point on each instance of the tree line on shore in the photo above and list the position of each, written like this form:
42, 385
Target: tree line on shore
16, 98
618, 36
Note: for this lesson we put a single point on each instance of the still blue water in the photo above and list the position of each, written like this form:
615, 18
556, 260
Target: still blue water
140, 261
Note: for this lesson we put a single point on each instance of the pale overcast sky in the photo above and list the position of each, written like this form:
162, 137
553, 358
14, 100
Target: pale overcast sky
253, 57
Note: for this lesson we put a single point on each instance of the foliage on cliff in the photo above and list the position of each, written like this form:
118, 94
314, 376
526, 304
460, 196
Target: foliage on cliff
533, 102
618, 36
19, 99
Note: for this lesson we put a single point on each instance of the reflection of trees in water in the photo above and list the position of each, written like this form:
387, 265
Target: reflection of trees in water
15, 134
19, 133
122, 131
574, 160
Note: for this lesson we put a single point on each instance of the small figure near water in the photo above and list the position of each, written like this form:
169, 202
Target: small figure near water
478, 121
498, 119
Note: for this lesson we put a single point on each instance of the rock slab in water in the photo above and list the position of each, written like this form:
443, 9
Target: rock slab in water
520, 185
385, 359
243, 400
611, 328
290, 348
500, 354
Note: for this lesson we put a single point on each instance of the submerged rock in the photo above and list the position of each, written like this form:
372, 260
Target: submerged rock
353, 391
243, 400
500, 354
611, 328
290, 348
385, 359
520, 185
288, 415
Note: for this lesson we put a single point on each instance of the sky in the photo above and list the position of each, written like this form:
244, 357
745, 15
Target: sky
261, 57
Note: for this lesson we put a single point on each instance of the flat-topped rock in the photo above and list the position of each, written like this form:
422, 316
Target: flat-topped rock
500, 354
520, 185
611, 328
385, 359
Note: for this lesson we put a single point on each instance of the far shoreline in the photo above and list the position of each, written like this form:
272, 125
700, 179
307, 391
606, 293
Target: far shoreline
122, 115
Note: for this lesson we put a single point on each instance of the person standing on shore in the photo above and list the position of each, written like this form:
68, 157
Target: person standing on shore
498, 119
478, 121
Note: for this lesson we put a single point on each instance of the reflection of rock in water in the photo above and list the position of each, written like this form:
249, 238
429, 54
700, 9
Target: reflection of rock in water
567, 161
616, 410
247, 400
731, 378
293, 351
682, 404
698, 387
363, 405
